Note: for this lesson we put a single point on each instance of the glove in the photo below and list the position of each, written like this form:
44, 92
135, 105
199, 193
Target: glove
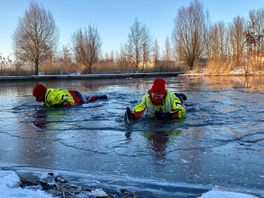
181, 96
129, 116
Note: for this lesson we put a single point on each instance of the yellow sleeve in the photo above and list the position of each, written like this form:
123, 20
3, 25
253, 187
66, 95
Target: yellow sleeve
57, 97
176, 106
142, 105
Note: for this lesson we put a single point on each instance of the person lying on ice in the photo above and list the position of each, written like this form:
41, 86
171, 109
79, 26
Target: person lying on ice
158, 102
61, 97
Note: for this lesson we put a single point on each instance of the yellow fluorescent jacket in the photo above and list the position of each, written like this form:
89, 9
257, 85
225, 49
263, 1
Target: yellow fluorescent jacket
171, 104
56, 97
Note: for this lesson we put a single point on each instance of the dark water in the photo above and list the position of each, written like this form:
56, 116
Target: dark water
220, 143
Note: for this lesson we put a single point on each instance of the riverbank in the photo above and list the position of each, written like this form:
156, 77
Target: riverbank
50, 184
128, 75
237, 72
90, 76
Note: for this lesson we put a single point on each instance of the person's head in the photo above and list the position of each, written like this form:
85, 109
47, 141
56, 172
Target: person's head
39, 92
158, 91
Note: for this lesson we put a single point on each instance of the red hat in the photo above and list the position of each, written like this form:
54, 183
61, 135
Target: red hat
158, 86
39, 91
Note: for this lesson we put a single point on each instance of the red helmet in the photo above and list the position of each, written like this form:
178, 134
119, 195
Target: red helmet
158, 86
39, 92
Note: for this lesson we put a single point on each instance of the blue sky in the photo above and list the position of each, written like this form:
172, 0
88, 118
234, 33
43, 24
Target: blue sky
113, 18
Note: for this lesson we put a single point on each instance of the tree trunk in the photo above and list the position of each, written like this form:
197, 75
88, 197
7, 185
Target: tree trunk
36, 67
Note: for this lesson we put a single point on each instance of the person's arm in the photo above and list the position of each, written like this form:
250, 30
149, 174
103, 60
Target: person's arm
140, 108
95, 98
178, 111
59, 98
137, 112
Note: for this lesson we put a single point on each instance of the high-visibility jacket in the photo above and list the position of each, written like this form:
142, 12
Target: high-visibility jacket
58, 97
170, 104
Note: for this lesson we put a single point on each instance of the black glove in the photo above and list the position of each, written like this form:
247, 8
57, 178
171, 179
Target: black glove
182, 96
129, 116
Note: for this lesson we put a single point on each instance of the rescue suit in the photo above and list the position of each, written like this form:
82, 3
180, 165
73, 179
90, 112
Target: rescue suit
62, 97
170, 105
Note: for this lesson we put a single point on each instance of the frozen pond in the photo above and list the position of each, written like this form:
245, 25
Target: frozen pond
220, 143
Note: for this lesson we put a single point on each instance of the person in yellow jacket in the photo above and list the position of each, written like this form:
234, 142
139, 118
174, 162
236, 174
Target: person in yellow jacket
158, 102
52, 97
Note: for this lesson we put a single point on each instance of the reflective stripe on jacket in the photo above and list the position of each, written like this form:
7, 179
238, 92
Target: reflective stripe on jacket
57, 97
171, 104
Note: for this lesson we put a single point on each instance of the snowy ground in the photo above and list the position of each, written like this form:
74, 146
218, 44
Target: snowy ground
10, 188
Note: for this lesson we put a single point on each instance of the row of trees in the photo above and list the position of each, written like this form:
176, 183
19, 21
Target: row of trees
223, 47
239, 44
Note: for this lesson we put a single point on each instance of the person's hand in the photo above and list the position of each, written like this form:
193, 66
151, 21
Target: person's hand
132, 116
129, 116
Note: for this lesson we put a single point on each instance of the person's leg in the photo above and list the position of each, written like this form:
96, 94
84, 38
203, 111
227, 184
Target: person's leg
79, 95
93, 98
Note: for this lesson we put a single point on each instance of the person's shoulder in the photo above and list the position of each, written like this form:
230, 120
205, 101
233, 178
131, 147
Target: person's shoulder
171, 94
50, 89
145, 97
57, 89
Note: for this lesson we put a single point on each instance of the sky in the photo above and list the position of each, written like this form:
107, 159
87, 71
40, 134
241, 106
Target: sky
113, 18
9, 188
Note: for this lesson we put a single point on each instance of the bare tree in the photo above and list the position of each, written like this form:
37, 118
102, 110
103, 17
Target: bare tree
138, 47
106, 57
256, 28
207, 35
167, 54
87, 45
146, 47
218, 50
35, 37
237, 40
122, 59
134, 44
66, 60
112, 56
156, 51
188, 33
255, 36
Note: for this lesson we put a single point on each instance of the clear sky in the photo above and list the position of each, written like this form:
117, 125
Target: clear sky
113, 18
